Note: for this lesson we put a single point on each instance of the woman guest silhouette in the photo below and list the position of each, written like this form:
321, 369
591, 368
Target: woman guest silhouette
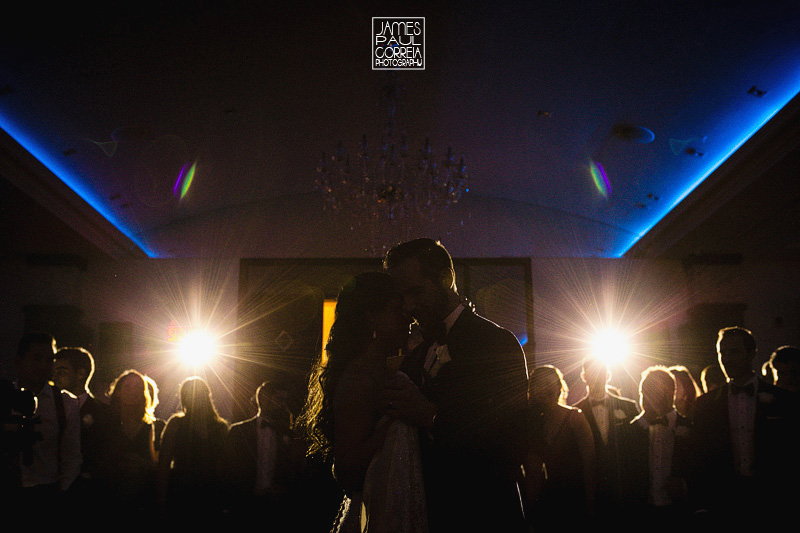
127, 471
687, 391
560, 467
191, 459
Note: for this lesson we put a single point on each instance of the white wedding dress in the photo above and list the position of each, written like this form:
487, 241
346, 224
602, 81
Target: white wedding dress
393, 499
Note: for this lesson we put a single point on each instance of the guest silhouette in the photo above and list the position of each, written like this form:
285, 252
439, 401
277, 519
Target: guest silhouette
686, 391
663, 450
609, 416
561, 465
73, 369
745, 436
126, 474
784, 364
262, 458
712, 377
49, 466
191, 460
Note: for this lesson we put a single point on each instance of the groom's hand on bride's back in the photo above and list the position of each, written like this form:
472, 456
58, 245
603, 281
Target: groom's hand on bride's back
403, 400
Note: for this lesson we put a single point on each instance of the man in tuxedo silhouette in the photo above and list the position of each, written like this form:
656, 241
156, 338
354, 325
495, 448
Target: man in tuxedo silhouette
663, 441
745, 436
261, 455
471, 384
73, 369
784, 366
56, 456
609, 416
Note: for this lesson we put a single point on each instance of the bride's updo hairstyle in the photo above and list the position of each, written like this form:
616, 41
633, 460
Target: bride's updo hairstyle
361, 296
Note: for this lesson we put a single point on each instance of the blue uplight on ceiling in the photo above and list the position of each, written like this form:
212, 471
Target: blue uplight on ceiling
737, 139
67, 176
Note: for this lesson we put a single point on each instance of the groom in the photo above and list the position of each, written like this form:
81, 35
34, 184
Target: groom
471, 378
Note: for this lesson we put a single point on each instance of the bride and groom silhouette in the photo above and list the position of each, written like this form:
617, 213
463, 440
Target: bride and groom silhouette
427, 440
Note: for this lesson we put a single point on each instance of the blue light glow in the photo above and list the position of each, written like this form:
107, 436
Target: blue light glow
735, 143
72, 181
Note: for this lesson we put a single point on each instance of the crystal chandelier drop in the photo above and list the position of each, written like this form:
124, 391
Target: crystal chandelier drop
390, 183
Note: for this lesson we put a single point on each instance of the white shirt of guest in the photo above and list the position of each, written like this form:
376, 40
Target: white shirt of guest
438, 354
661, 446
600, 413
742, 423
51, 464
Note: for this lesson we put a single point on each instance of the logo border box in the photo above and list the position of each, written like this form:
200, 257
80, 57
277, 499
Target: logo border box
424, 44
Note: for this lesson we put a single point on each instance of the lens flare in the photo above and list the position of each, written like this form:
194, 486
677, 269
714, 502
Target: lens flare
611, 346
184, 180
196, 348
600, 179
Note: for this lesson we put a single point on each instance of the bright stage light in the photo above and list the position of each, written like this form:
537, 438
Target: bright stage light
611, 346
196, 348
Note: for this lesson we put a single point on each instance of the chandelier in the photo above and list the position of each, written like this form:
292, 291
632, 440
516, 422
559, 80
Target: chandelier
389, 182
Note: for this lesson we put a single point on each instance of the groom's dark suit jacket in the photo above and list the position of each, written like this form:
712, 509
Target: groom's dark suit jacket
472, 453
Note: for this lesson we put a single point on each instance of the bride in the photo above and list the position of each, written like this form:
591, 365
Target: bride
375, 458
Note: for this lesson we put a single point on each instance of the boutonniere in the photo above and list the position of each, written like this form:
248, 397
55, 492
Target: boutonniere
442, 357
619, 414
766, 397
87, 420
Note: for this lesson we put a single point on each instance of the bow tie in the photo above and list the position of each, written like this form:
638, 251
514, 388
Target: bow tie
748, 389
598, 402
438, 333
658, 421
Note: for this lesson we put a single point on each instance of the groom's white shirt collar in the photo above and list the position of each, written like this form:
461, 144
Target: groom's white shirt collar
439, 355
452, 317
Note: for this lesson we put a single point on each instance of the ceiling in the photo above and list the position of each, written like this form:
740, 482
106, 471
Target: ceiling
101, 107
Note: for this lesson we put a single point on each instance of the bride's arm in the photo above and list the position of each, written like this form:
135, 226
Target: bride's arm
357, 436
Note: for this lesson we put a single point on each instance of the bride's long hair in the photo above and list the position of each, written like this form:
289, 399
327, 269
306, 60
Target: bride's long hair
364, 294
